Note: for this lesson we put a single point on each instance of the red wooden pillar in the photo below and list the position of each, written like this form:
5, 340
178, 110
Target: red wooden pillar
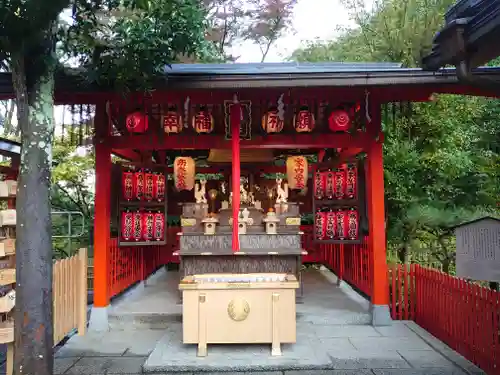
102, 235
235, 146
377, 238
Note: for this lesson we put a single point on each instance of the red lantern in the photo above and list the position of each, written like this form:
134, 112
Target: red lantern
341, 224
352, 224
172, 122
203, 122
139, 185
330, 224
137, 223
271, 122
159, 187
127, 225
320, 225
304, 121
319, 185
339, 121
128, 185
158, 226
351, 181
329, 184
147, 226
137, 122
339, 182
148, 186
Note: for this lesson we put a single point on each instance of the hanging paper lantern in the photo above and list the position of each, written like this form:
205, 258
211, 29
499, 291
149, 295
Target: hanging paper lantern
139, 185
351, 181
329, 177
339, 182
128, 185
184, 171
159, 187
127, 225
158, 226
352, 224
172, 122
137, 122
297, 172
330, 224
341, 224
203, 122
148, 186
339, 121
271, 122
320, 225
304, 121
147, 226
319, 185
137, 226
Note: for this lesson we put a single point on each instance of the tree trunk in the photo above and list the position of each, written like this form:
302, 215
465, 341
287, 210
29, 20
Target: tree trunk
33, 80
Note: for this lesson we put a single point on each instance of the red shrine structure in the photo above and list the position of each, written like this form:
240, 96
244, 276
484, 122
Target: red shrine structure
317, 124
244, 154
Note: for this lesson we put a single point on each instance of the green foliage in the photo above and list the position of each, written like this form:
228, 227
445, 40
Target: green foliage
442, 158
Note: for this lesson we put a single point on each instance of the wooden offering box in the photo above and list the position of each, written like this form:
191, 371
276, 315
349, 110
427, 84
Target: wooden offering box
239, 309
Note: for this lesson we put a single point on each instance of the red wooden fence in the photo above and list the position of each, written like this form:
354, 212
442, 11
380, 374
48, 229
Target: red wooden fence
130, 264
462, 314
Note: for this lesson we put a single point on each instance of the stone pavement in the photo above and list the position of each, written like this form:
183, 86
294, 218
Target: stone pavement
333, 337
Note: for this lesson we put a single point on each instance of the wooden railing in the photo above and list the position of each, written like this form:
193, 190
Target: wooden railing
460, 313
70, 295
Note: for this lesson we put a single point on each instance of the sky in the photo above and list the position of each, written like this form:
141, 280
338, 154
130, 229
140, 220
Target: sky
312, 19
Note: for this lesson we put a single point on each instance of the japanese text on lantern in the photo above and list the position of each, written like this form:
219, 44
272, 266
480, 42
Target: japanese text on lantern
304, 121
203, 122
172, 122
272, 123
299, 173
181, 173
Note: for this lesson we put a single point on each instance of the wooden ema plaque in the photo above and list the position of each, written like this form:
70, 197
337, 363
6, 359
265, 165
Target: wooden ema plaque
8, 274
239, 309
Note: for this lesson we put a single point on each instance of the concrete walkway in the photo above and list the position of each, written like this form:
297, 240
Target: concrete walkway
333, 337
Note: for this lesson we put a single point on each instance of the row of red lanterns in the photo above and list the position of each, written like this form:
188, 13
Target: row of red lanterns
340, 183
142, 226
272, 122
336, 224
171, 121
143, 186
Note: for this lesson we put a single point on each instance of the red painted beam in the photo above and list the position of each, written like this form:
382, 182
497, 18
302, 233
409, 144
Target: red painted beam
348, 154
206, 142
129, 155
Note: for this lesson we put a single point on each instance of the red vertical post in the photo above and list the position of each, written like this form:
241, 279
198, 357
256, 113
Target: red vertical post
235, 118
102, 220
377, 239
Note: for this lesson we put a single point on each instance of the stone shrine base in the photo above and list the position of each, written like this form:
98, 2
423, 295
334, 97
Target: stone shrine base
333, 337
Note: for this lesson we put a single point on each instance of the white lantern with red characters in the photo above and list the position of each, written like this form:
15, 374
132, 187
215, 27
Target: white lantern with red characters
304, 121
137, 122
203, 122
184, 171
297, 172
171, 122
271, 122
339, 121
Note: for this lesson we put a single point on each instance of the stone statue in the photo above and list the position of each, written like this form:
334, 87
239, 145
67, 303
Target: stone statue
281, 194
243, 194
200, 193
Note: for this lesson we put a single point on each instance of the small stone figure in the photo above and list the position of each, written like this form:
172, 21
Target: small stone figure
281, 194
200, 192
243, 194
